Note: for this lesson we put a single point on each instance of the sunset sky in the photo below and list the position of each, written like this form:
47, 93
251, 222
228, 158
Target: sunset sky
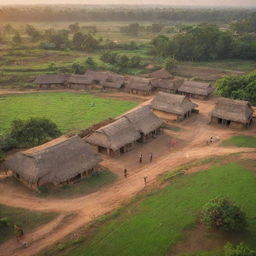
237, 3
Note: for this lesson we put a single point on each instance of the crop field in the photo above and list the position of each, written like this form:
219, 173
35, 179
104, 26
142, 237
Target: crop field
70, 111
154, 224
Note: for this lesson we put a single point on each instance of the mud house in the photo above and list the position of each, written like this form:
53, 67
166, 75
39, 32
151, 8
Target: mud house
63, 160
115, 138
160, 74
80, 82
113, 82
196, 89
167, 85
145, 122
96, 77
232, 113
51, 81
173, 107
139, 85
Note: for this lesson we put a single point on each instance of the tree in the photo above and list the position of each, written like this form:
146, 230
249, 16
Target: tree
220, 213
85, 42
17, 38
8, 29
90, 63
170, 64
123, 61
74, 27
78, 68
239, 250
33, 33
33, 131
135, 62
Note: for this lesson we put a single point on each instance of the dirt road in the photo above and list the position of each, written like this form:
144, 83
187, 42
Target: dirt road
192, 145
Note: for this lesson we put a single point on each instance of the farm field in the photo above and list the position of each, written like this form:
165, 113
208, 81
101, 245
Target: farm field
156, 224
27, 219
70, 111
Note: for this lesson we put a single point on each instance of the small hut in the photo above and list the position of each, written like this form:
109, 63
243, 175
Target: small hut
145, 122
232, 113
60, 161
115, 138
196, 89
139, 85
113, 82
160, 74
96, 77
80, 82
173, 107
167, 85
51, 81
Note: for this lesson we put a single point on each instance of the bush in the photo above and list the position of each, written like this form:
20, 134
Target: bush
43, 190
5, 222
170, 64
221, 214
239, 250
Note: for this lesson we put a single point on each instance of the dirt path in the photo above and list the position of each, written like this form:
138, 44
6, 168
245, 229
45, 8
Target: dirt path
87, 208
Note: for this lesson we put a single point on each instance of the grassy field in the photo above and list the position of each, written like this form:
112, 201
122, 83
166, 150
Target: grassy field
85, 186
27, 219
241, 141
153, 224
70, 111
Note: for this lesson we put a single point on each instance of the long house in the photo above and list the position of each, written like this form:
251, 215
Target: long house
196, 89
60, 161
123, 134
167, 85
173, 107
80, 82
58, 81
113, 82
232, 113
139, 85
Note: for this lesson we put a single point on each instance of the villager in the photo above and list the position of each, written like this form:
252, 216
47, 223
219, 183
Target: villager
125, 173
145, 180
150, 157
141, 158
19, 233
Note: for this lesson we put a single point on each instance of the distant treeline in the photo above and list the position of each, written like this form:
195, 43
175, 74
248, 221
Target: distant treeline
86, 13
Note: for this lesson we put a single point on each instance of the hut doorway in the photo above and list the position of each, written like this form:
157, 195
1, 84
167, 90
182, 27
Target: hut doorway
102, 150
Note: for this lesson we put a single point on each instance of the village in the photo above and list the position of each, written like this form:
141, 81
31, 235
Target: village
137, 146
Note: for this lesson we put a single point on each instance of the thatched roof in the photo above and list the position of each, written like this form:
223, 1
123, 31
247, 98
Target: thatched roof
51, 79
53, 162
114, 81
160, 74
233, 110
115, 135
140, 84
168, 84
79, 79
144, 120
172, 103
198, 88
98, 76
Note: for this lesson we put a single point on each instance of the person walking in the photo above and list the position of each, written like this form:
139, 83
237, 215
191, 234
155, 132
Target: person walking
140, 158
125, 173
150, 157
19, 233
145, 180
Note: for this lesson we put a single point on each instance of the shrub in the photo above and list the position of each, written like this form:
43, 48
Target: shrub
170, 64
220, 213
5, 222
43, 190
239, 250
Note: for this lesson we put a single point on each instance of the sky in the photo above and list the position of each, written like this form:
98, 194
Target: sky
237, 3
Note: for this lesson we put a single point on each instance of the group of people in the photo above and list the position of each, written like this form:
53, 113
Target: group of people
140, 161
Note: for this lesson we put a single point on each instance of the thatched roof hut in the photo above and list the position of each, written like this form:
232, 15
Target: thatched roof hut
173, 103
54, 162
144, 120
115, 135
160, 74
114, 81
79, 79
196, 88
167, 84
96, 76
139, 84
51, 79
233, 110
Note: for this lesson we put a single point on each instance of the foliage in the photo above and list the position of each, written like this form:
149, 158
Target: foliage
132, 29
4, 222
170, 64
74, 28
90, 63
17, 38
241, 141
33, 33
220, 213
84, 42
78, 68
204, 42
33, 131
239, 250
238, 87
246, 25
56, 39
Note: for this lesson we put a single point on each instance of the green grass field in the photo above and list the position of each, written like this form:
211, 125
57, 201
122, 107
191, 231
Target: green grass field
70, 111
151, 225
241, 141
27, 219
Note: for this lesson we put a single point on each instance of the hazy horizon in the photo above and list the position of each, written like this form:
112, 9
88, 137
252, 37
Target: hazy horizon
226, 3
